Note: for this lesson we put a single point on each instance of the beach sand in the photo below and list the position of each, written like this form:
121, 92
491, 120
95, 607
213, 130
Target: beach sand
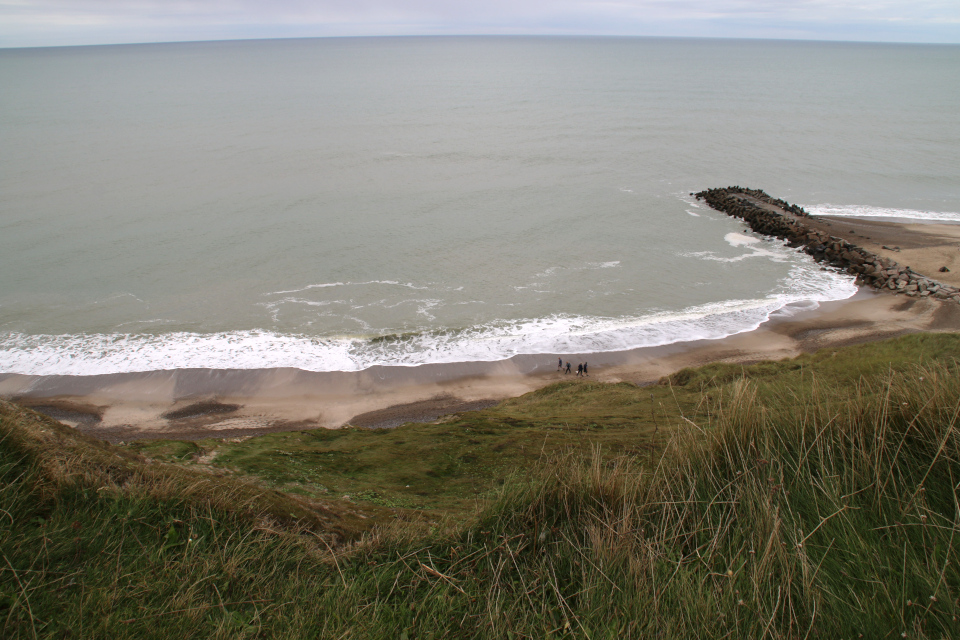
923, 247
202, 403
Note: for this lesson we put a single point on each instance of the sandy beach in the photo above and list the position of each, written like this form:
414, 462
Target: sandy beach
201, 403
924, 247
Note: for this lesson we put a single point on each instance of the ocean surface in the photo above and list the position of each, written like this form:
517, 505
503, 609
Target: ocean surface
333, 204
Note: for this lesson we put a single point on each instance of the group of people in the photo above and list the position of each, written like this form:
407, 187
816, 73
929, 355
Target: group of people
581, 368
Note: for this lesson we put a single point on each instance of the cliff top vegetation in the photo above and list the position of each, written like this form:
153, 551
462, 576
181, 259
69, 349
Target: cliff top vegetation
812, 497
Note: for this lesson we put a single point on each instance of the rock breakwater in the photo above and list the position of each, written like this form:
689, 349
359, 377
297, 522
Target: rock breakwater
774, 217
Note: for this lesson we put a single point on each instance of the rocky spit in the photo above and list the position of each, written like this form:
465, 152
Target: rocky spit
774, 217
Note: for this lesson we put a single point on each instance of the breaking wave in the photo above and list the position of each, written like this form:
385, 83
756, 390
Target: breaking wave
118, 353
863, 211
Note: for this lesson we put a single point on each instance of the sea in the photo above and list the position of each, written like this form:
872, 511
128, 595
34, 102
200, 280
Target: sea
335, 204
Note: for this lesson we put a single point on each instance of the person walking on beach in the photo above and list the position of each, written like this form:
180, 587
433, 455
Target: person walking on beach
567, 370
579, 370
585, 369
559, 364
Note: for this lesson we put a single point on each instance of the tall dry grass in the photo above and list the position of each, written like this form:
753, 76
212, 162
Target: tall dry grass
833, 513
808, 511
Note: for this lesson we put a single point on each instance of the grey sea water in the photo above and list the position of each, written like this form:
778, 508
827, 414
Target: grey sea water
332, 204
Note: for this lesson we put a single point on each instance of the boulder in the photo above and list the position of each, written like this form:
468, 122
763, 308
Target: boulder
853, 256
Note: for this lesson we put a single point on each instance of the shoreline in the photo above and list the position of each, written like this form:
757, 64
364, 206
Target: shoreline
195, 404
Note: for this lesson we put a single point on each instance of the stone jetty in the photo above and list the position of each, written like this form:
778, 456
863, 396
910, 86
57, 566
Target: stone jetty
774, 217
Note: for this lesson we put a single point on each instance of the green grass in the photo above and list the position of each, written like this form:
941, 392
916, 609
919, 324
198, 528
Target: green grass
447, 468
816, 497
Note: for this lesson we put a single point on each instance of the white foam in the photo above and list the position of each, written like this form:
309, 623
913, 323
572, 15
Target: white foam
324, 285
150, 321
116, 353
864, 211
117, 296
613, 264
805, 286
548, 272
688, 199
740, 240
772, 250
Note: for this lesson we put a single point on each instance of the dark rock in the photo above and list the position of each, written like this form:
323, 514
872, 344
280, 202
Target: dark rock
871, 269
851, 256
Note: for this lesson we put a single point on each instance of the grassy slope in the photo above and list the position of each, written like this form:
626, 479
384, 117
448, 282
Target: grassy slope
447, 467
782, 499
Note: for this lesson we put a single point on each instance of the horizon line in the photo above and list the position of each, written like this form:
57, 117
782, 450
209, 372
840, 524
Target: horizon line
482, 35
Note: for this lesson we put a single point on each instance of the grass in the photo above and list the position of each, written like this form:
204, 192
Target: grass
815, 497
446, 468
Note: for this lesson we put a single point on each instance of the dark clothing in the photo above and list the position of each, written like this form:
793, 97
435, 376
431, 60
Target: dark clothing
568, 369
585, 369
579, 369
559, 364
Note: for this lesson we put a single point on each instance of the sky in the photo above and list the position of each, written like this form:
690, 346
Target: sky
39, 23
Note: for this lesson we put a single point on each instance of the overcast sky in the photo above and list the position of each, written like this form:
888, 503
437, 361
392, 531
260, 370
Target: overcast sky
28, 23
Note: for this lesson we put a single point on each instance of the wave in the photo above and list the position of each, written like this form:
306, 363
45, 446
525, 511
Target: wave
557, 334
773, 252
864, 211
327, 285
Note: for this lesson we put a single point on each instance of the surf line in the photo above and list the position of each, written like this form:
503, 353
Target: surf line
780, 219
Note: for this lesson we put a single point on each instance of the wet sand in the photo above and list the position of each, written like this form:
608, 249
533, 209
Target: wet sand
924, 247
200, 403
